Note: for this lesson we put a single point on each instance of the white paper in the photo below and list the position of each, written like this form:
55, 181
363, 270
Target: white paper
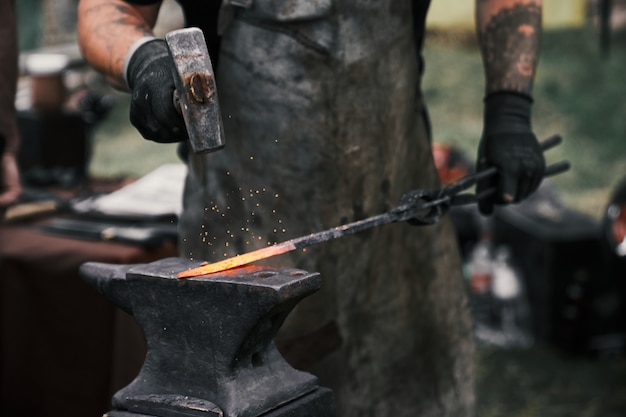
159, 193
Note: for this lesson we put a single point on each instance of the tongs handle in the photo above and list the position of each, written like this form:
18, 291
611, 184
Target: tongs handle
550, 171
434, 204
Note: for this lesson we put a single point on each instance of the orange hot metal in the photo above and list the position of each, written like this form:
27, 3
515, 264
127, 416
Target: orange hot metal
239, 260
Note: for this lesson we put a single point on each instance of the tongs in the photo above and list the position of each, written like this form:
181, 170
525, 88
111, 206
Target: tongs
418, 207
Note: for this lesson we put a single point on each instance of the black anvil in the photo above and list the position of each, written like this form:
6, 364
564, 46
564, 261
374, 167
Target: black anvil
210, 341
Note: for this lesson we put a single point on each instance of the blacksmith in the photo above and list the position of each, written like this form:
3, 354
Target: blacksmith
325, 124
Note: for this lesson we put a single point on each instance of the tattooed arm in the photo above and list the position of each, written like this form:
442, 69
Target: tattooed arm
508, 34
116, 38
106, 31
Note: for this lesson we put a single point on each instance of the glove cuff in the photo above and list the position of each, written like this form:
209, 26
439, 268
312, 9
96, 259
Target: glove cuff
140, 55
507, 111
510, 94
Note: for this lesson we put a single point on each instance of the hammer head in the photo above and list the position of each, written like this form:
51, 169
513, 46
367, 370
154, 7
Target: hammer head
196, 91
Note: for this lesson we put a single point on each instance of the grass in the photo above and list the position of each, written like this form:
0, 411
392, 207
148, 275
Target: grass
120, 151
541, 382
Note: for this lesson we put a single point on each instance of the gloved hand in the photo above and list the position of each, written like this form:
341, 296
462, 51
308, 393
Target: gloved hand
151, 82
509, 144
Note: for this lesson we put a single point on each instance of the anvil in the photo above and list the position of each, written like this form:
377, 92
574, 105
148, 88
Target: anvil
210, 341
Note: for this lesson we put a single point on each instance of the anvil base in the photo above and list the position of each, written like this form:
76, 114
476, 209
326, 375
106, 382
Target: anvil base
318, 403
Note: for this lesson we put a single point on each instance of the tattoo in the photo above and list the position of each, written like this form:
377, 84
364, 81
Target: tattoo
105, 19
510, 44
126, 20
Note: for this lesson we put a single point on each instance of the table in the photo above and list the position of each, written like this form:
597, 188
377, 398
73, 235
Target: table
64, 349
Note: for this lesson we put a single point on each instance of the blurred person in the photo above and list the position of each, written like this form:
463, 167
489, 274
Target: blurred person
10, 187
325, 124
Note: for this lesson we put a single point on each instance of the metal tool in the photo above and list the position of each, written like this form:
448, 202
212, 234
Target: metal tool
196, 92
148, 234
418, 207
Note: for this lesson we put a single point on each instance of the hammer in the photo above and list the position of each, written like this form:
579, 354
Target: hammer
196, 93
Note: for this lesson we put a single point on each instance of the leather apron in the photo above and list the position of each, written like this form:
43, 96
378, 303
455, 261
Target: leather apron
324, 125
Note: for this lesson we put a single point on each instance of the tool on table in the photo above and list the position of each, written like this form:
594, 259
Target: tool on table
33, 203
146, 234
196, 93
418, 207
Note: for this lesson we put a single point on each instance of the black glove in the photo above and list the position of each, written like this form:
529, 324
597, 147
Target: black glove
152, 109
509, 144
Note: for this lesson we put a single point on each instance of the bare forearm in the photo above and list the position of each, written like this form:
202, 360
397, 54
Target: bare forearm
8, 74
106, 31
509, 32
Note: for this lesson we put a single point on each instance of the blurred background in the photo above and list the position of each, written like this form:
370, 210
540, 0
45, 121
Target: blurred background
556, 355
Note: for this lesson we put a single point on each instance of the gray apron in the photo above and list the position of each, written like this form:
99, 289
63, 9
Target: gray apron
323, 122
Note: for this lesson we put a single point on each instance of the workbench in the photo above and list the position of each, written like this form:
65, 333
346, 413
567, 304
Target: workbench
64, 349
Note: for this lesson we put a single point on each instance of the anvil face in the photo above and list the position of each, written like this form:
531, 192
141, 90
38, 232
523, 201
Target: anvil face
209, 338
